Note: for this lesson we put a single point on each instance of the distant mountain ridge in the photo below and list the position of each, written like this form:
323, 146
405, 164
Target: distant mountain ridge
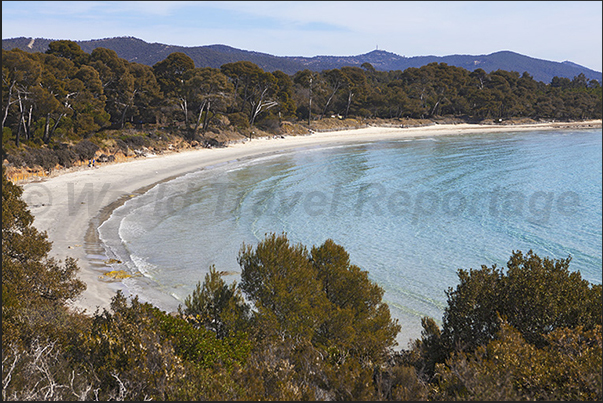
137, 50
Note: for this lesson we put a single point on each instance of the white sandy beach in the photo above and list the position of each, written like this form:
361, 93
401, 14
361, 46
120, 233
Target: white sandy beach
65, 205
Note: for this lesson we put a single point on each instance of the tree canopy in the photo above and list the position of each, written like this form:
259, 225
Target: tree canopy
67, 95
536, 297
29, 276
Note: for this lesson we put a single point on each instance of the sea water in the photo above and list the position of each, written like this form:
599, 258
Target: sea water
411, 212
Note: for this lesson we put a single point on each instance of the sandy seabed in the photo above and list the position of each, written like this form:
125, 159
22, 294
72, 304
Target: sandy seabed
70, 206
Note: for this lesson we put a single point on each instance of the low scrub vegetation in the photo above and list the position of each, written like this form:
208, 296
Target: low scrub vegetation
303, 324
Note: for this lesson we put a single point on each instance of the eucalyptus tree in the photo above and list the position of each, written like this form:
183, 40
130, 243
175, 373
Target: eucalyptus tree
89, 103
171, 70
20, 73
417, 85
78, 97
305, 81
263, 96
255, 91
171, 74
53, 97
501, 85
207, 88
69, 50
355, 86
333, 80
145, 93
243, 75
118, 82
526, 92
284, 94
393, 101
271, 277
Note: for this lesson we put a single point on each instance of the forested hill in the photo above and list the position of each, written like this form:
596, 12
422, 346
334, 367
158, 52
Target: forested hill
133, 49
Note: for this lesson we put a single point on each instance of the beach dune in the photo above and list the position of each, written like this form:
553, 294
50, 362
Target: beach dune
70, 205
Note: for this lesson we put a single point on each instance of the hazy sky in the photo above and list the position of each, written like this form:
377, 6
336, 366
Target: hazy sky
551, 30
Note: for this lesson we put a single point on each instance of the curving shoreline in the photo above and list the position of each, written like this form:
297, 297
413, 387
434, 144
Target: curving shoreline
71, 205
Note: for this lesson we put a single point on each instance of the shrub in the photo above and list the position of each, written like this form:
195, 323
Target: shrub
536, 296
8, 140
270, 124
122, 145
86, 150
15, 159
239, 120
134, 141
65, 154
45, 158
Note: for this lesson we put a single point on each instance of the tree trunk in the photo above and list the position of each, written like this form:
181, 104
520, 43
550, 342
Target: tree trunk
122, 120
18, 135
260, 106
433, 110
324, 111
8, 104
56, 124
310, 104
21, 120
28, 131
184, 107
347, 109
199, 118
206, 120
46, 128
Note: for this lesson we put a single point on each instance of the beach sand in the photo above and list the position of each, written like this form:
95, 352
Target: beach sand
70, 206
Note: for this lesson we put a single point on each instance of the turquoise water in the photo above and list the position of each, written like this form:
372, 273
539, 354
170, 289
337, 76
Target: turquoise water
410, 212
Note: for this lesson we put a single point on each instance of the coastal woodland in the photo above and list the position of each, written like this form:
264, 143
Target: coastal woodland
304, 323
65, 107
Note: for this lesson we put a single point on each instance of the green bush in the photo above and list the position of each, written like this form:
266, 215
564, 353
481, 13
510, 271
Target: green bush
85, 150
135, 141
65, 154
238, 120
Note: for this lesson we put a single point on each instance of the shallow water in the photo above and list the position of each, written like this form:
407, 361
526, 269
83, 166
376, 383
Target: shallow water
410, 212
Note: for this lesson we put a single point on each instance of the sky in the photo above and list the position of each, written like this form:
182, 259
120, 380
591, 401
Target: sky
549, 30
